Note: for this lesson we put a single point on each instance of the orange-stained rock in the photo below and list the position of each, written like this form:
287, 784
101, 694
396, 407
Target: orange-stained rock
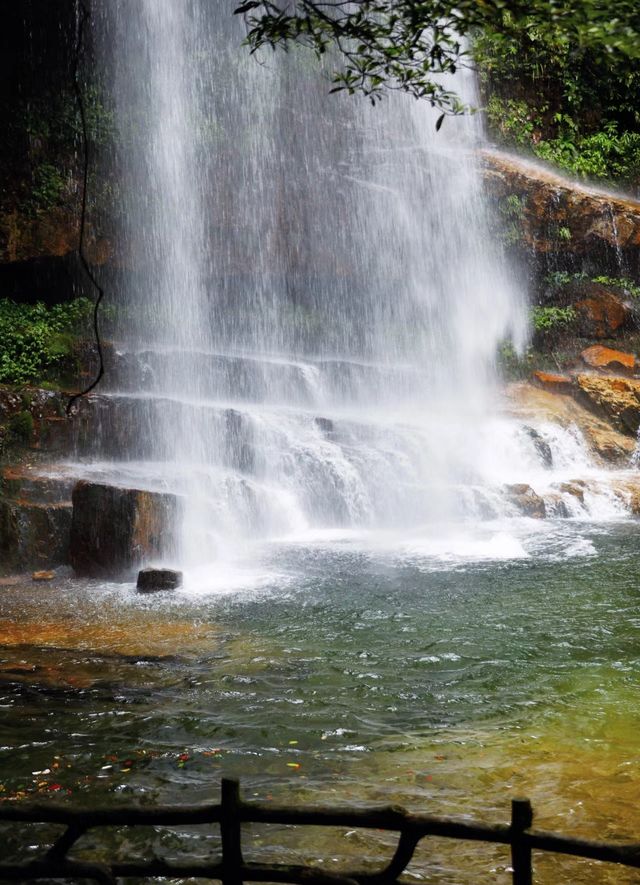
553, 381
602, 313
43, 576
600, 357
137, 635
51, 233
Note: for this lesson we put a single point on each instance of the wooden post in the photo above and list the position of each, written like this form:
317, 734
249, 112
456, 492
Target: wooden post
230, 832
521, 820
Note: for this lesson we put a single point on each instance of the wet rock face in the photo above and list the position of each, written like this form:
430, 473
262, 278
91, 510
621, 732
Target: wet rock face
114, 530
553, 381
33, 535
35, 520
541, 446
601, 313
568, 406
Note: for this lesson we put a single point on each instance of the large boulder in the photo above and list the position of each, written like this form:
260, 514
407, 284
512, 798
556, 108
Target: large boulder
614, 398
152, 580
114, 530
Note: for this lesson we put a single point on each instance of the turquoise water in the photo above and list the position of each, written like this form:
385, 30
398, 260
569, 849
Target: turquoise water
348, 670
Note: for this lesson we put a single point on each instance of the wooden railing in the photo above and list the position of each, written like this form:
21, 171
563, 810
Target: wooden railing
231, 868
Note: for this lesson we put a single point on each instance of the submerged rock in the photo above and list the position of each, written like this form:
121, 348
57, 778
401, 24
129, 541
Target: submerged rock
325, 424
528, 502
600, 357
151, 580
541, 446
113, 529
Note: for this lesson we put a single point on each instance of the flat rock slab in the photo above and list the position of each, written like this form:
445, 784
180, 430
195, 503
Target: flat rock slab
151, 580
114, 529
553, 381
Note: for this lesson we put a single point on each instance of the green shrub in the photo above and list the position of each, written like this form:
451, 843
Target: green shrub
559, 279
569, 106
37, 341
48, 186
625, 285
552, 319
21, 426
606, 155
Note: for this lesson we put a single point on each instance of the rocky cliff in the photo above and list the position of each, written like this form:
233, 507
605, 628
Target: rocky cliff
557, 215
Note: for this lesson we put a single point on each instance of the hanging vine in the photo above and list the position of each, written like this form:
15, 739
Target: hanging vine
82, 18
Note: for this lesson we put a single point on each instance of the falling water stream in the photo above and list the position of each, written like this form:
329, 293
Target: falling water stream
311, 301
314, 301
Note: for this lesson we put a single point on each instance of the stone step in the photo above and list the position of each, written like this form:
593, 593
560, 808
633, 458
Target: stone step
130, 427
256, 377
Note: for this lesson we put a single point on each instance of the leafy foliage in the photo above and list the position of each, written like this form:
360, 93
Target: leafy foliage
21, 425
35, 340
407, 44
511, 209
547, 319
559, 279
568, 102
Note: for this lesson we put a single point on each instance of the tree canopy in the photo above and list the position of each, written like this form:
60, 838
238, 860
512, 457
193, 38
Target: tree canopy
409, 44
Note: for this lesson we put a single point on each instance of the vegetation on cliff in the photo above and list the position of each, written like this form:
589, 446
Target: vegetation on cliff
569, 104
39, 343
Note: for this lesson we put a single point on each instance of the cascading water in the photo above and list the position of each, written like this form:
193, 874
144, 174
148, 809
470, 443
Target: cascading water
312, 298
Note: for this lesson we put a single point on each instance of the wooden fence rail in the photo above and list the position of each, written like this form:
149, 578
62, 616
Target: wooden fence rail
231, 868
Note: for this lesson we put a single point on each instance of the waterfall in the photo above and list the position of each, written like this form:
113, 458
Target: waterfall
311, 298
